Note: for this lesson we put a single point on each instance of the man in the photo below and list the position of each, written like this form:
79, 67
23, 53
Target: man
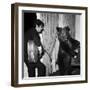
33, 50
67, 50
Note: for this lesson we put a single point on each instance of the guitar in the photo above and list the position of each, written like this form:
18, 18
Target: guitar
34, 52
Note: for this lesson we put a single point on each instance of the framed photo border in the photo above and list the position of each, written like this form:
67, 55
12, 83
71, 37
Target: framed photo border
14, 43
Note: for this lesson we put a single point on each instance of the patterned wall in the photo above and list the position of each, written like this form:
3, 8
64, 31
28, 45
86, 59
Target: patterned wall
49, 34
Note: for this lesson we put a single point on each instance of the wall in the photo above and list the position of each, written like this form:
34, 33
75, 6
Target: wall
68, 20
77, 27
5, 45
50, 21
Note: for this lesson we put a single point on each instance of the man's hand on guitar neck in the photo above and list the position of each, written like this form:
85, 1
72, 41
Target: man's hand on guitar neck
40, 50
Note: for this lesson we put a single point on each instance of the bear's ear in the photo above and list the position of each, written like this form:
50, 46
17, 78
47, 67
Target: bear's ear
58, 29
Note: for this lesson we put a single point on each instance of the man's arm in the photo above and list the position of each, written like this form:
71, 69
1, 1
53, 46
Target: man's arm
41, 51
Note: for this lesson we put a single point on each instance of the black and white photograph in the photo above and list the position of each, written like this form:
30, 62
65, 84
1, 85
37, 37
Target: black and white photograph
51, 44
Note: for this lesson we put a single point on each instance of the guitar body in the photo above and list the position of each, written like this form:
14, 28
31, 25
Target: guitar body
33, 52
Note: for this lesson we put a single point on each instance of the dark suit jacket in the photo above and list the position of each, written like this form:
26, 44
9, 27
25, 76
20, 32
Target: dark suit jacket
67, 49
33, 35
70, 50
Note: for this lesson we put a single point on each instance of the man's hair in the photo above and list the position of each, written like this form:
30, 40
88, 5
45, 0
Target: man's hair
58, 29
67, 28
39, 23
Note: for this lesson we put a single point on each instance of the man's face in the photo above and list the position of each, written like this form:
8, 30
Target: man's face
62, 34
39, 28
